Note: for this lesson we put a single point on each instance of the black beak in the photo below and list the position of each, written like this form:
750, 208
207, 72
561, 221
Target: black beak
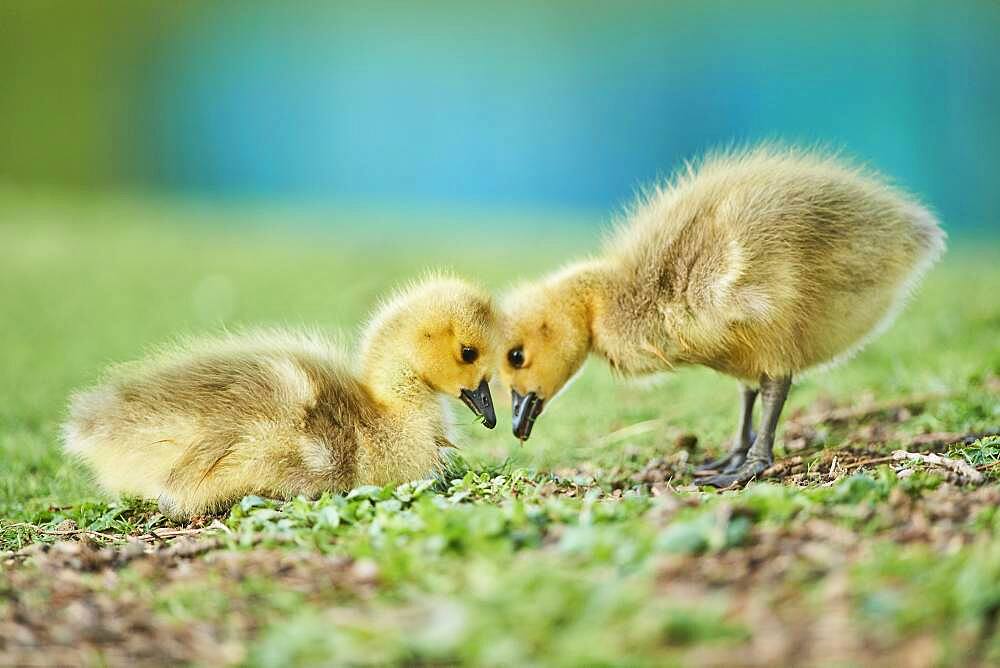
480, 402
526, 410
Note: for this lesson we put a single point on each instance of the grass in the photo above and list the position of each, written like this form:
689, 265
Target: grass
586, 546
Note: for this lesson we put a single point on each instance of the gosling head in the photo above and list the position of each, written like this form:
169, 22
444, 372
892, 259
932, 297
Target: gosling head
546, 341
440, 334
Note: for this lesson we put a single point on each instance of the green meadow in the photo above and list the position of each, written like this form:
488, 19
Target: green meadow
587, 545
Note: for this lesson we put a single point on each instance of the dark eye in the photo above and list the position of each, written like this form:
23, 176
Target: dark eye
469, 355
516, 357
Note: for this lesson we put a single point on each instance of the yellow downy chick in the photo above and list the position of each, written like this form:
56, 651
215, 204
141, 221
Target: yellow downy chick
760, 264
282, 413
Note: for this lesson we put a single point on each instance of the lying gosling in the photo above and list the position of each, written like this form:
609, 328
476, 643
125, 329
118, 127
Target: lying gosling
759, 264
282, 413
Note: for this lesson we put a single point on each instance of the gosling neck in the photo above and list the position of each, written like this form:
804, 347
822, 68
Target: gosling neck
584, 291
618, 325
390, 378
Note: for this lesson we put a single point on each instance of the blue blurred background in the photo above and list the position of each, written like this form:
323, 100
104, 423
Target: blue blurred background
517, 105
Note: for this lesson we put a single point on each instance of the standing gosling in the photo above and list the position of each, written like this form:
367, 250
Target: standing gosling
282, 413
758, 264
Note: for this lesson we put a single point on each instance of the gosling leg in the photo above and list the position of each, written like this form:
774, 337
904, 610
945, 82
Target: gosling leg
759, 457
744, 437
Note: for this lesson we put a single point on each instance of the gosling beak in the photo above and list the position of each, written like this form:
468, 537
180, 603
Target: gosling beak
480, 402
526, 409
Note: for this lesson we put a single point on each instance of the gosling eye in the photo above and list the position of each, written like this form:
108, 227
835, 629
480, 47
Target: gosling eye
516, 357
469, 354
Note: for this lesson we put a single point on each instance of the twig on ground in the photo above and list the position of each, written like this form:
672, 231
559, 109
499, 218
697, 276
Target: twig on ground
155, 535
172, 533
934, 439
963, 469
869, 462
61, 532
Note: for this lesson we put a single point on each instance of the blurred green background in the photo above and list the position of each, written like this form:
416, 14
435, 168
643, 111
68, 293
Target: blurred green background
521, 105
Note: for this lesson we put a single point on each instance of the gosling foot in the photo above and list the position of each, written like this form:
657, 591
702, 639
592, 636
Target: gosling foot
729, 463
749, 470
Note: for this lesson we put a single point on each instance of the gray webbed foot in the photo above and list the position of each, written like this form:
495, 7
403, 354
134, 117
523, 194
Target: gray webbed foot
730, 462
741, 476
746, 463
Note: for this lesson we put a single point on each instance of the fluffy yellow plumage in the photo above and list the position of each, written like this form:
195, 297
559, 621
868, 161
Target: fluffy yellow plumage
283, 413
760, 264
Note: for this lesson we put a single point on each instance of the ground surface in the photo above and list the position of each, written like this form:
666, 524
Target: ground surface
588, 545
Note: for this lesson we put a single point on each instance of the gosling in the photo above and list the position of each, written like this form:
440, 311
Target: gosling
759, 263
282, 413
